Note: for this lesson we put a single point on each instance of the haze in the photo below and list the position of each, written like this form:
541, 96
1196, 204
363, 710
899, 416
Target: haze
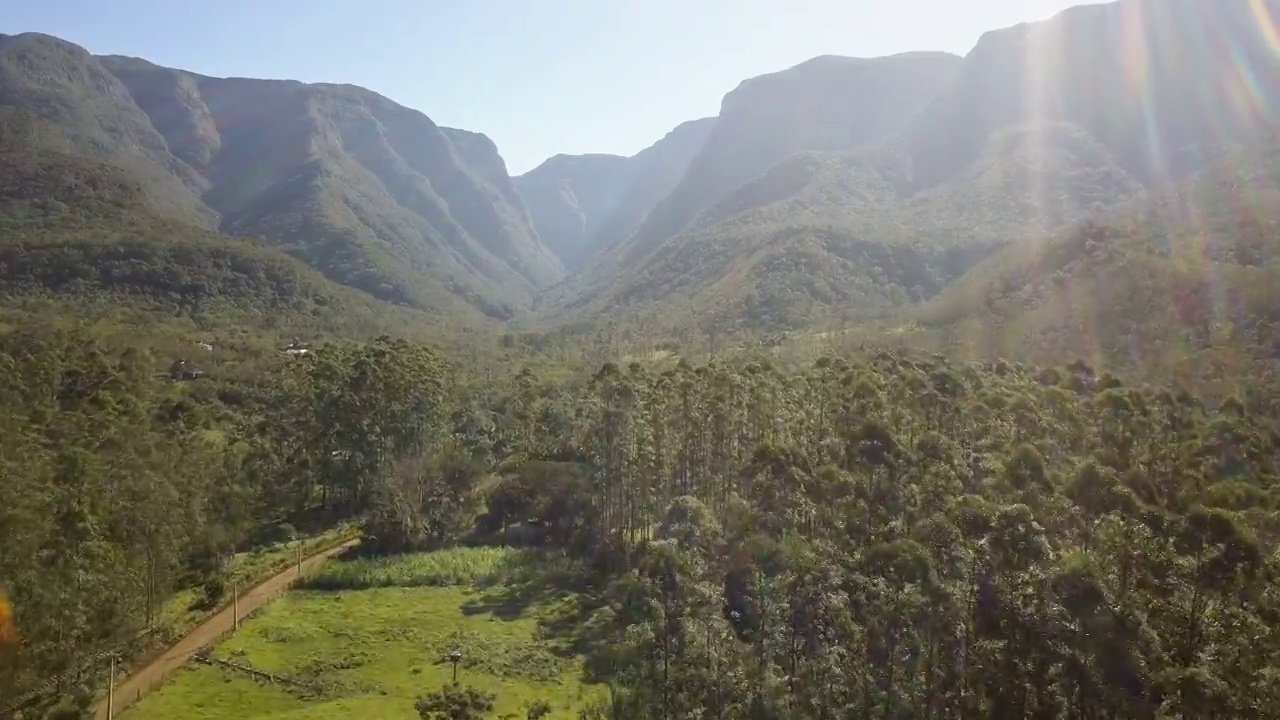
571, 76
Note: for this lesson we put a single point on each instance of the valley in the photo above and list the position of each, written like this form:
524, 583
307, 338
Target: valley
923, 385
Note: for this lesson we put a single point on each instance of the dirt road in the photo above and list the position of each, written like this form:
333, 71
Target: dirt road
154, 673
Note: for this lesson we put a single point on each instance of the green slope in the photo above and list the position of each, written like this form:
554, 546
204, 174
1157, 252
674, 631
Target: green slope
89, 112
827, 104
822, 237
1184, 283
81, 241
372, 194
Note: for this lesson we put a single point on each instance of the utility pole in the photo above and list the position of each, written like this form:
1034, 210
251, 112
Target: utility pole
235, 605
299, 557
111, 689
455, 657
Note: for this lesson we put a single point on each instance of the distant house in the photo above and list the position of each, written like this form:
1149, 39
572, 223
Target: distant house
181, 370
297, 349
205, 347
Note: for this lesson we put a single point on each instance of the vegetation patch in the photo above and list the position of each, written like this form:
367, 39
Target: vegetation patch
457, 566
503, 656
376, 652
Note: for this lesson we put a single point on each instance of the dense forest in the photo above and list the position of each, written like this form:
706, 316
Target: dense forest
890, 536
884, 534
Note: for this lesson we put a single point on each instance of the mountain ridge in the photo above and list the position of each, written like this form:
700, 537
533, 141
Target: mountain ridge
373, 194
1034, 129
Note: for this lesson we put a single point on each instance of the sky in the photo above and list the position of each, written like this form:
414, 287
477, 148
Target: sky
539, 77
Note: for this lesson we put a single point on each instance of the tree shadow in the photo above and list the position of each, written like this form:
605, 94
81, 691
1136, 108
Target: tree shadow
550, 586
523, 581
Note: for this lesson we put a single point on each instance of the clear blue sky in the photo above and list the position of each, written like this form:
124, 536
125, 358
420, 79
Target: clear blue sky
538, 76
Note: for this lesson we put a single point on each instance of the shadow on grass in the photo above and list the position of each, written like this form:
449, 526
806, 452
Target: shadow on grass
528, 580
552, 587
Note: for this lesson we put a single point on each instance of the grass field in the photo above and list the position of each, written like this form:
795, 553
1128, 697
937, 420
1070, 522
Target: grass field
371, 651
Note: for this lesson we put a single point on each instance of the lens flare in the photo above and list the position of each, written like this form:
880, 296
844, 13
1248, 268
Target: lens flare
8, 631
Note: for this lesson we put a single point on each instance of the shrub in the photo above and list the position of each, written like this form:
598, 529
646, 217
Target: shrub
212, 591
454, 702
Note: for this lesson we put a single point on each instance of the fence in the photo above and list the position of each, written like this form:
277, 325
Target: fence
204, 657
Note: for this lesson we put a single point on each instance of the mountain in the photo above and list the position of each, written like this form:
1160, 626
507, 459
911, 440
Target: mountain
828, 104
820, 237
840, 189
568, 197
656, 171
845, 188
1183, 283
93, 116
82, 238
1164, 85
371, 193
582, 204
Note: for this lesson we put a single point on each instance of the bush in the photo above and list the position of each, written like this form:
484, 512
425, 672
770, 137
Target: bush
213, 591
454, 702
504, 657
538, 710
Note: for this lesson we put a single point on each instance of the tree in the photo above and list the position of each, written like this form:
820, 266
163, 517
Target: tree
427, 499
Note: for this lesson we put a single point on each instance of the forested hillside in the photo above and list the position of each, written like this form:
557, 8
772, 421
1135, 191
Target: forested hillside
838, 157
1183, 285
372, 194
89, 113
825, 105
81, 240
828, 104
820, 238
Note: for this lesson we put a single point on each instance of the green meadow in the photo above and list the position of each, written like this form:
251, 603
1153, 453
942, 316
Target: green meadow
367, 638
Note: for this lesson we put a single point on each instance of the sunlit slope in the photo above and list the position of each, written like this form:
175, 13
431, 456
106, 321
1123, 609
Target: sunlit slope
820, 238
784, 224
1186, 282
1163, 85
